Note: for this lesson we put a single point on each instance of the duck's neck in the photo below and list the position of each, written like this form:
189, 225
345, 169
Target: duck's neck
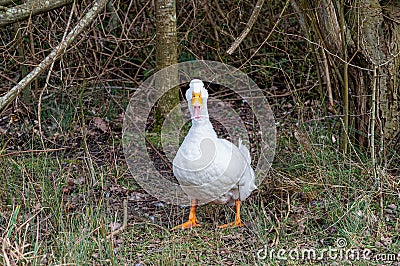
202, 127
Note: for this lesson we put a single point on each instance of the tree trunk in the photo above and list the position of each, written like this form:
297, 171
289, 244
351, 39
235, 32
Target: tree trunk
166, 50
166, 55
378, 41
370, 36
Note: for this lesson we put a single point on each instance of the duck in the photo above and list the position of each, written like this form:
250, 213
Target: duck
210, 169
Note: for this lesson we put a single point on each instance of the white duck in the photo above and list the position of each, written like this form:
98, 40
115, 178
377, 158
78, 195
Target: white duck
210, 169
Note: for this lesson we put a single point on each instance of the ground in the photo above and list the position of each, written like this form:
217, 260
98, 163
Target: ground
62, 196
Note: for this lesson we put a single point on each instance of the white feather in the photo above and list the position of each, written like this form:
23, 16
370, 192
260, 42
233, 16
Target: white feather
208, 168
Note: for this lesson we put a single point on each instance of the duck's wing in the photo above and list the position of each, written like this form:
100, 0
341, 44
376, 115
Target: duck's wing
247, 179
213, 171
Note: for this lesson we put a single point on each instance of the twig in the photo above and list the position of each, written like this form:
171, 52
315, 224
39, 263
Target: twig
361, 197
269, 34
124, 222
144, 61
219, 9
332, 54
56, 53
249, 25
88, 158
328, 81
212, 22
275, 241
348, 140
158, 153
373, 118
372, 134
344, 142
3, 248
48, 78
288, 205
7, 78
30, 151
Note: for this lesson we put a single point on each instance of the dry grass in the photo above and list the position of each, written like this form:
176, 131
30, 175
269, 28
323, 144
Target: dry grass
53, 214
55, 209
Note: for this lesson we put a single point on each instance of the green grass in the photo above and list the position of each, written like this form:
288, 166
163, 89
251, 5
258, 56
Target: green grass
53, 213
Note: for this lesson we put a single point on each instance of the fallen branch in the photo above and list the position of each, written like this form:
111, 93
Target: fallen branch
54, 55
13, 14
249, 25
6, 2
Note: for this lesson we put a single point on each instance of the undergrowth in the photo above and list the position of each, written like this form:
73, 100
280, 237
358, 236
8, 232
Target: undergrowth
314, 196
63, 180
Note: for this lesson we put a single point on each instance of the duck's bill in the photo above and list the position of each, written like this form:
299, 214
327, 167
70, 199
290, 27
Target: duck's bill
196, 112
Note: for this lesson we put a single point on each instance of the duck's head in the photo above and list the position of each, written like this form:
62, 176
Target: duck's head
197, 97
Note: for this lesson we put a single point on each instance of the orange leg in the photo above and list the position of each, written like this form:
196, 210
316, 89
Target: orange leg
192, 218
238, 221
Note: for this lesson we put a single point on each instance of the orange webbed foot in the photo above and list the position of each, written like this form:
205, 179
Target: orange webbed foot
232, 225
187, 225
192, 222
238, 221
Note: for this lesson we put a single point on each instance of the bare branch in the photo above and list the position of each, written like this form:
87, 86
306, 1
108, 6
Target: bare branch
269, 34
249, 25
9, 15
6, 2
56, 53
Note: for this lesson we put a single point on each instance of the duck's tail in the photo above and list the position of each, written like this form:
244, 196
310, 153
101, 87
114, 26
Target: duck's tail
244, 151
247, 182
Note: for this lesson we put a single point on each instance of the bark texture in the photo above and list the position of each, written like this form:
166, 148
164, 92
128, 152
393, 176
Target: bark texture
166, 55
9, 15
366, 35
166, 40
378, 38
6, 2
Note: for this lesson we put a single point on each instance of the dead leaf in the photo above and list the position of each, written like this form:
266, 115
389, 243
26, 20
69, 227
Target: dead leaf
3, 131
386, 241
100, 124
114, 226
